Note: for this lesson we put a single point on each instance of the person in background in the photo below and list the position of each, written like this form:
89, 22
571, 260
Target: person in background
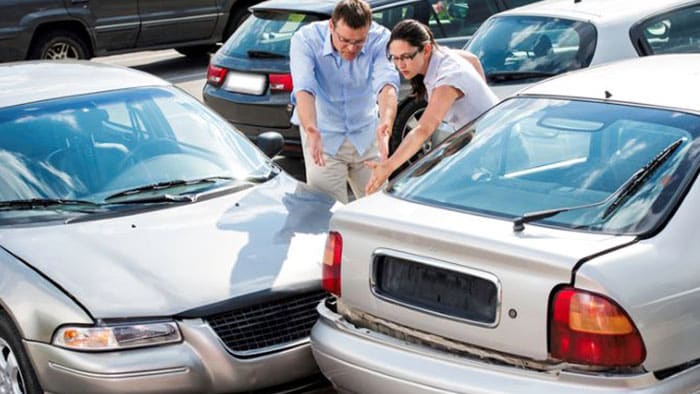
455, 89
345, 95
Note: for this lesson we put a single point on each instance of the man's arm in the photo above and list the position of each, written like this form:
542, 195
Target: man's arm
385, 82
306, 111
302, 68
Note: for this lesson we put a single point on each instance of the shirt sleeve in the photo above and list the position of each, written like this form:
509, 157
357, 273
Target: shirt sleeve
461, 76
302, 66
383, 71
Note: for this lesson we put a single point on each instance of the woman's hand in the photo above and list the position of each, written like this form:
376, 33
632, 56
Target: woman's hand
380, 174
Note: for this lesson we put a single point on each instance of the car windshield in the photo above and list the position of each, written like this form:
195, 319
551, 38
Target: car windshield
84, 149
522, 47
266, 34
528, 155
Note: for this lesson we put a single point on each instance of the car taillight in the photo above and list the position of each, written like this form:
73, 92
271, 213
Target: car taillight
281, 82
216, 75
331, 263
587, 328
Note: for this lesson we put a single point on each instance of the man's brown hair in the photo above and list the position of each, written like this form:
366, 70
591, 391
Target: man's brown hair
355, 13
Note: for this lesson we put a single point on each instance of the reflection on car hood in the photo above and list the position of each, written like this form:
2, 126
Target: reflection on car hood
166, 261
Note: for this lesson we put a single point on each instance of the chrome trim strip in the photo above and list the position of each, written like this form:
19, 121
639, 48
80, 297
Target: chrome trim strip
117, 26
265, 350
122, 375
180, 19
438, 264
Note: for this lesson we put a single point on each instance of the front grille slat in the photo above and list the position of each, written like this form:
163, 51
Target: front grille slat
267, 327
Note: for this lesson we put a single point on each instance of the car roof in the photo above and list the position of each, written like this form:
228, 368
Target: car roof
324, 7
26, 82
598, 11
662, 81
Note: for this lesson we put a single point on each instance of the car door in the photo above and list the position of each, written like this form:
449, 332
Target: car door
114, 24
175, 21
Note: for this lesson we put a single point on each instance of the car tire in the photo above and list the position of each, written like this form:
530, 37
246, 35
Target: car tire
16, 373
197, 51
59, 45
406, 120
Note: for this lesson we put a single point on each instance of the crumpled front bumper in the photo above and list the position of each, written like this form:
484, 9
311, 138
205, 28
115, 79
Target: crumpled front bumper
199, 364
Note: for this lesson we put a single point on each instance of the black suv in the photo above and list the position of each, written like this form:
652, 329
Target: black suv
248, 80
81, 29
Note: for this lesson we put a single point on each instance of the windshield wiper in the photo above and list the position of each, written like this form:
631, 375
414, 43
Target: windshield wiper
43, 203
619, 196
517, 75
274, 171
164, 186
264, 55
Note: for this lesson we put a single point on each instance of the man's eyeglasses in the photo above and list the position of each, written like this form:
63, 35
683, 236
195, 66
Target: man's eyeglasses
346, 41
404, 57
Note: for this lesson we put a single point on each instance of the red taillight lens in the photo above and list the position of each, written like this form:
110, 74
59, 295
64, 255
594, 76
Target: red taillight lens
331, 263
216, 75
281, 82
590, 329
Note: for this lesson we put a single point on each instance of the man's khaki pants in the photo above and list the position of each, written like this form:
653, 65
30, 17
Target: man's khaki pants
346, 166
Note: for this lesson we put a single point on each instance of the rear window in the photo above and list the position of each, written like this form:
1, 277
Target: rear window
677, 31
518, 47
533, 154
266, 34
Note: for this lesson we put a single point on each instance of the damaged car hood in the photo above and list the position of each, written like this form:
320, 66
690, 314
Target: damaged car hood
159, 263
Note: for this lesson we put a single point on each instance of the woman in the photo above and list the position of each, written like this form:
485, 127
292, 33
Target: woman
455, 89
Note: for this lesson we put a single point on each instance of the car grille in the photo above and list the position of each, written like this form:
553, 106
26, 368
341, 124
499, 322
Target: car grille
269, 326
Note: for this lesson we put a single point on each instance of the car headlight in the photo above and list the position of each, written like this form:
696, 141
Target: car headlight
115, 337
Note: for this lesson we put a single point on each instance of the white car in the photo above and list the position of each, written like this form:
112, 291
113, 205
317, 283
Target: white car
525, 45
549, 246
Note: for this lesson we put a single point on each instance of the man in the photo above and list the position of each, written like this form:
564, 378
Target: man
341, 75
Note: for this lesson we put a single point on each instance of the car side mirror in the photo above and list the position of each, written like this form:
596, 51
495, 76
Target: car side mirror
270, 142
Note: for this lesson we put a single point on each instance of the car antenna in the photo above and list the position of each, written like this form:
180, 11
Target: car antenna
577, 1
607, 92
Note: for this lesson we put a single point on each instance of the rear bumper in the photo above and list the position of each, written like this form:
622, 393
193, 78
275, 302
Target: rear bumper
199, 364
363, 361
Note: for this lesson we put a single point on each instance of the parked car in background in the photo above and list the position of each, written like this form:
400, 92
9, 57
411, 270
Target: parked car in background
248, 80
548, 246
522, 46
145, 245
81, 29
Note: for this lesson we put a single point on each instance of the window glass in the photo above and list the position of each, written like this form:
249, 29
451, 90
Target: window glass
461, 17
266, 34
530, 154
389, 17
674, 32
91, 146
518, 47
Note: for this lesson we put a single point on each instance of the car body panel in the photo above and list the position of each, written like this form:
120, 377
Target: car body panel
149, 264
462, 240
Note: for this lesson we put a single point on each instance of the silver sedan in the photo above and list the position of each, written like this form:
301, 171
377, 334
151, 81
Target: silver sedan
549, 246
146, 245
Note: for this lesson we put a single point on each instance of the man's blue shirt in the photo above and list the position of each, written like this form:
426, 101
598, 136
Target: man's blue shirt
345, 91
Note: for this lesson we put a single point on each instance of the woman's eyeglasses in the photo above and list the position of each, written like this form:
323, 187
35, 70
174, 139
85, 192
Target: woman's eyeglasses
403, 57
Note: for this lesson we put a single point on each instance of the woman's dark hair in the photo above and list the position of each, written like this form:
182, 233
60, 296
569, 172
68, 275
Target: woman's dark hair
415, 34
355, 13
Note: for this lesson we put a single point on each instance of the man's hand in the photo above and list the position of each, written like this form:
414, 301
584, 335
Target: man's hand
380, 173
383, 135
315, 145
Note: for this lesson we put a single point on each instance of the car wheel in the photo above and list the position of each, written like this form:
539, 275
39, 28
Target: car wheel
406, 120
196, 51
59, 45
16, 372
